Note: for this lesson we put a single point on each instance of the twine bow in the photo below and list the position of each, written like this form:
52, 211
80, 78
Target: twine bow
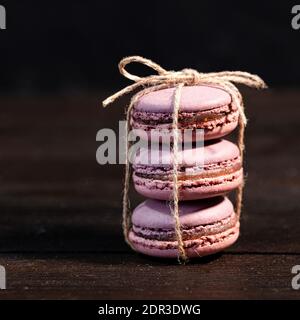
186, 77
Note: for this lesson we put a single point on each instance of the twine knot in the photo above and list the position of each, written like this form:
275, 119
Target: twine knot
165, 79
194, 75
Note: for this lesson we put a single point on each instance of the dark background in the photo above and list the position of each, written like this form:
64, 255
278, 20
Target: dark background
60, 211
53, 46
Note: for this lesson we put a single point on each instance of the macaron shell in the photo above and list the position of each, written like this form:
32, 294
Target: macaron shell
190, 193
193, 98
165, 249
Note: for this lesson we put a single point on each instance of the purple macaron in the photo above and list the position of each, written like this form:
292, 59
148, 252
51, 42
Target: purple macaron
208, 171
208, 226
201, 107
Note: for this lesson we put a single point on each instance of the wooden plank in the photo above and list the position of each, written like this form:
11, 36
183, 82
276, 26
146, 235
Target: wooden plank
54, 196
98, 229
60, 230
125, 276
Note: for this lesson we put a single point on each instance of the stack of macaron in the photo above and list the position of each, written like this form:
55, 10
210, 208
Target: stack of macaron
208, 221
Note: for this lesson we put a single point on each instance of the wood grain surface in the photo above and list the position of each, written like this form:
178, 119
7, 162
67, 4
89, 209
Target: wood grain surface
60, 231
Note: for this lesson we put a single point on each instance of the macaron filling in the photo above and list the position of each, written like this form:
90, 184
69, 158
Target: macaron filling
151, 184
161, 178
186, 120
204, 241
210, 170
188, 232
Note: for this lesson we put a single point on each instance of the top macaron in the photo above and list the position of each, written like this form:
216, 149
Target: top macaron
201, 107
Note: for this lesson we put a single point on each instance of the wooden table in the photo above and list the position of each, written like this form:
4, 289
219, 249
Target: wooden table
60, 231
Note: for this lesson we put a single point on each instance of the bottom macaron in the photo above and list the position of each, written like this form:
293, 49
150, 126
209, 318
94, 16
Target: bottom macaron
207, 226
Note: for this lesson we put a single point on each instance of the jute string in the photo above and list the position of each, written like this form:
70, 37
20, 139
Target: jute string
178, 79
